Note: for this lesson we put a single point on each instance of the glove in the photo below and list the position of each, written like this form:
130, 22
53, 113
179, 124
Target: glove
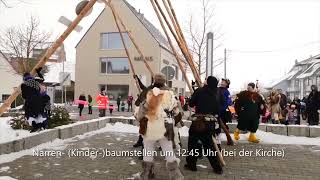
38, 70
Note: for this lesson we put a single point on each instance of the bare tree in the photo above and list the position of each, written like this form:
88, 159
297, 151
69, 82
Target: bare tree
198, 30
20, 41
10, 3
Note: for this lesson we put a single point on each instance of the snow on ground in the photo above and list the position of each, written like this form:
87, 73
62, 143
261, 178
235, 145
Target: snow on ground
4, 169
202, 166
8, 134
7, 178
58, 144
132, 162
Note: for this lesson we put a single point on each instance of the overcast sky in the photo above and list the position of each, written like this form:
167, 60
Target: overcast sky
263, 37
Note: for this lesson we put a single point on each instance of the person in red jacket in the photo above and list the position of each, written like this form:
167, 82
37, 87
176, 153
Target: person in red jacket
102, 101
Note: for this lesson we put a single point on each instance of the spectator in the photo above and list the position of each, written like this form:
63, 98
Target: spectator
130, 101
123, 106
313, 106
275, 107
90, 104
292, 115
82, 99
102, 101
118, 102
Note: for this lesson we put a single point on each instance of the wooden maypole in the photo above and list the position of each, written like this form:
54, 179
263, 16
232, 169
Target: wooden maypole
179, 39
175, 53
50, 52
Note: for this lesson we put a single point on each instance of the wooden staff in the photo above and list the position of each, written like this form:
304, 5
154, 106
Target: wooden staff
179, 60
183, 48
49, 52
123, 42
131, 37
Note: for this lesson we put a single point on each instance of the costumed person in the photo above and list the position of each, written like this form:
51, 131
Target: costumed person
46, 104
33, 105
156, 126
249, 106
207, 102
141, 97
275, 108
90, 103
82, 100
225, 112
313, 106
102, 101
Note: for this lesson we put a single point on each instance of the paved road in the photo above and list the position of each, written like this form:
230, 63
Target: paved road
299, 162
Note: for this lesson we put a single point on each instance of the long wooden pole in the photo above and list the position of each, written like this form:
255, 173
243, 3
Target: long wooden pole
131, 38
123, 42
49, 52
182, 47
179, 60
176, 22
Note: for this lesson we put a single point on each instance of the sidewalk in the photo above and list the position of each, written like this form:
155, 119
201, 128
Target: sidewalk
299, 162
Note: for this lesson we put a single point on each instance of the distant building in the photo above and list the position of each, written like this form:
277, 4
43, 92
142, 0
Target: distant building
101, 61
299, 79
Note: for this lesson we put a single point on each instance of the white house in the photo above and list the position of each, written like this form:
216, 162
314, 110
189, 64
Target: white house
9, 78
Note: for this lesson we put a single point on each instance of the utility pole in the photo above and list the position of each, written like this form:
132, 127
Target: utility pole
209, 59
225, 63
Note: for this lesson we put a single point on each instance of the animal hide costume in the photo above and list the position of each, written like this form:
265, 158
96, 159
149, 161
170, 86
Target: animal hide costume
249, 106
156, 126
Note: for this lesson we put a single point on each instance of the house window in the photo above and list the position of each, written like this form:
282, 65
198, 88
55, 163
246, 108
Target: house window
114, 66
114, 91
113, 41
318, 80
176, 69
5, 96
296, 83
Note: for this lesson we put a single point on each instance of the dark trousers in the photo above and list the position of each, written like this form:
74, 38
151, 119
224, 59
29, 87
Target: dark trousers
313, 118
130, 107
118, 107
80, 111
90, 109
207, 143
102, 112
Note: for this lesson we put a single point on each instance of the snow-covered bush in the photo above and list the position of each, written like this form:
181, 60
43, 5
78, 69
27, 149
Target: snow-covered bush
59, 116
18, 121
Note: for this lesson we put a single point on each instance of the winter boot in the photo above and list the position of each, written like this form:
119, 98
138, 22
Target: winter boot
139, 142
148, 170
253, 138
174, 171
236, 134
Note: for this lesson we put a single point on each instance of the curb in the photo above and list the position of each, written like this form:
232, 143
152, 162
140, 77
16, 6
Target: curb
62, 132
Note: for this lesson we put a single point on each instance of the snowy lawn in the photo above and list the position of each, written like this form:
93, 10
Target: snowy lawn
8, 134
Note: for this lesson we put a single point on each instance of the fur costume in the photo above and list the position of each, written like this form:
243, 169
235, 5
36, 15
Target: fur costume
157, 126
157, 102
249, 106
